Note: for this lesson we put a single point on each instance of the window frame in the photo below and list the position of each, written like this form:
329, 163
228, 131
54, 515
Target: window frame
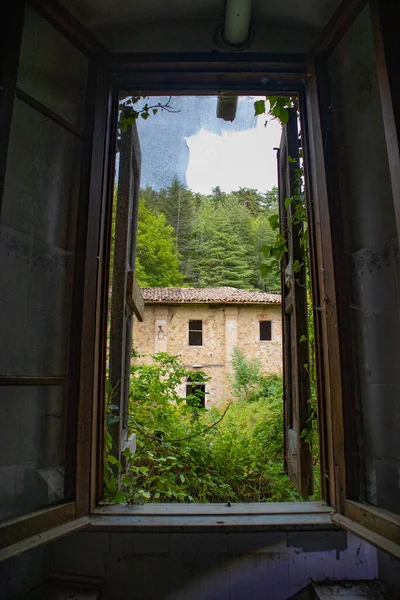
195, 384
271, 338
201, 331
193, 74
35, 528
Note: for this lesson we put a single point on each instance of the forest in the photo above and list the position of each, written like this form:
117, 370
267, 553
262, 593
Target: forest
186, 239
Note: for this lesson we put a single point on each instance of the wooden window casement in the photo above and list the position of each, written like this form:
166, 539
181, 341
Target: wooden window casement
265, 331
47, 380
81, 382
195, 333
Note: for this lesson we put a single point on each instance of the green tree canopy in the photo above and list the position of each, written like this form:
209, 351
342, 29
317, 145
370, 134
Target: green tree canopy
157, 261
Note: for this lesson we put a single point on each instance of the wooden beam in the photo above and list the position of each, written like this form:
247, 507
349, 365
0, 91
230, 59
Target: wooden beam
338, 26
377, 540
16, 530
134, 296
387, 48
204, 62
62, 20
84, 336
377, 519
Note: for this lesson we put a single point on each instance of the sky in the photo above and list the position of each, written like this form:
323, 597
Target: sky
203, 151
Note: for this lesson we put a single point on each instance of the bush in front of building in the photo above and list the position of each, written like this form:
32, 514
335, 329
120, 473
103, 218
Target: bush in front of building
189, 454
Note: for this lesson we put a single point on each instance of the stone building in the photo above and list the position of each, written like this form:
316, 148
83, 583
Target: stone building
203, 326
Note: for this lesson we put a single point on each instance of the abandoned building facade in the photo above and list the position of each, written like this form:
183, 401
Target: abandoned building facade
64, 65
203, 326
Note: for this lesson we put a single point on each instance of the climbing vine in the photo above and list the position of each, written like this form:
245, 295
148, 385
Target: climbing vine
135, 107
278, 107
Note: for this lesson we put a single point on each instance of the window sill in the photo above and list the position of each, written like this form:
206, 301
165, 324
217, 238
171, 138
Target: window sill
274, 516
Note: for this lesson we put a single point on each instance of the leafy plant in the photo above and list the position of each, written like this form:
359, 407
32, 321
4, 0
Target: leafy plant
246, 375
131, 108
189, 454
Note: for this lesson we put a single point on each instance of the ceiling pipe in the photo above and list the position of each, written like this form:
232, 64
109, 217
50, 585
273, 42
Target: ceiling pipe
237, 22
235, 34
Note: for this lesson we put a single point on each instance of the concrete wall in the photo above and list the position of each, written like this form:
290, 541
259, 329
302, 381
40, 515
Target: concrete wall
373, 253
223, 328
204, 566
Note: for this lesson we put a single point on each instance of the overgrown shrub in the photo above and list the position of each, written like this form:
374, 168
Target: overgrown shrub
246, 376
187, 454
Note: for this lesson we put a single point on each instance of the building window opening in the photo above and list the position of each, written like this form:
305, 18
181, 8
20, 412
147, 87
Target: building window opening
200, 286
195, 391
265, 331
195, 333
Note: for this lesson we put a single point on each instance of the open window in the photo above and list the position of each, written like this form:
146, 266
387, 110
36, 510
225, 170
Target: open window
195, 391
55, 217
195, 333
265, 331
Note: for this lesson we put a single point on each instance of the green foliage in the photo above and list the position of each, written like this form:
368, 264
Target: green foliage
189, 454
157, 262
222, 245
134, 107
218, 237
246, 375
276, 107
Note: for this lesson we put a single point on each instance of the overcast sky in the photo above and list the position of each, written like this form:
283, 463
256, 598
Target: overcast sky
205, 152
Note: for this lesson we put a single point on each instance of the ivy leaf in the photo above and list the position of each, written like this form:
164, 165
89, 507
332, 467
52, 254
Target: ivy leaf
259, 107
265, 269
123, 126
283, 116
274, 221
182, 478
145, 115
303, 338
112, 460
297, 266
266, 250
119, 497
126, 480
155, 111
127, 453
288, 202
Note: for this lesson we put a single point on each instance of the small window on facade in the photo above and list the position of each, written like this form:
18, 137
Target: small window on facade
195, 392
265, 331
195, 333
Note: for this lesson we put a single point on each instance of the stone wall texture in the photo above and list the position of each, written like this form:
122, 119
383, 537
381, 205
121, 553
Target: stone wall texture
165, 329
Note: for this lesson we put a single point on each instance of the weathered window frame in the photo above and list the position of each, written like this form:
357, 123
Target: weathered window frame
270, 338
195, 331
244, 74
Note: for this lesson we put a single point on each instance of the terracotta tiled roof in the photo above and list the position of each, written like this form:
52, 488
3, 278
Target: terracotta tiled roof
220, 295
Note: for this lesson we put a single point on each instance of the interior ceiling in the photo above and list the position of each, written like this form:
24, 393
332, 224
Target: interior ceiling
100, 14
